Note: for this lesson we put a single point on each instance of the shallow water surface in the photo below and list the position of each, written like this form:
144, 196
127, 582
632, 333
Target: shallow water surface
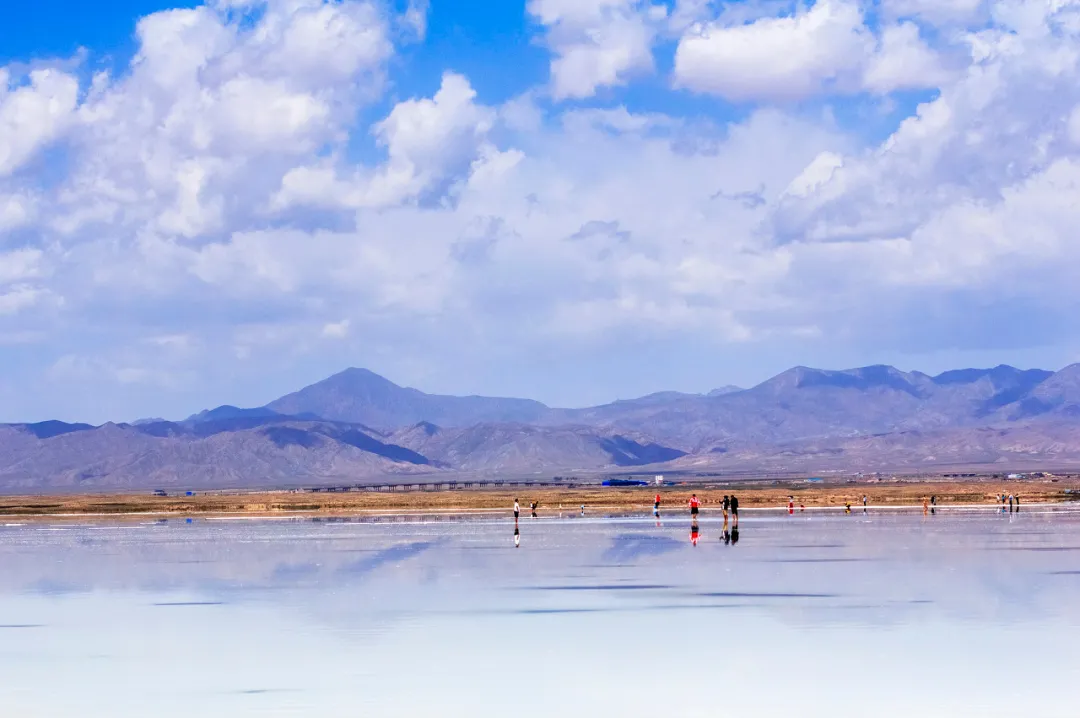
817, 614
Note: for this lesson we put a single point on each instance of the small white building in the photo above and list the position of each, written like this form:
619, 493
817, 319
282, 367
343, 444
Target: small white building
659, 480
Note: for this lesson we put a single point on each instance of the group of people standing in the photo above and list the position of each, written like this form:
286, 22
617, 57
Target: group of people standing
729, 504
1013, 501
517, 514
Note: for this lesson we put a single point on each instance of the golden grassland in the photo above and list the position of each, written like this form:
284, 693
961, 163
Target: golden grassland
269, 503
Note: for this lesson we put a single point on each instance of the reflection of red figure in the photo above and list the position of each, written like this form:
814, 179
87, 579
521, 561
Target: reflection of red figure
791, 507
694, 534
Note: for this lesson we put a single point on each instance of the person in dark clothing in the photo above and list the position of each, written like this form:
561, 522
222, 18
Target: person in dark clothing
726, 505
533, 506
735, 509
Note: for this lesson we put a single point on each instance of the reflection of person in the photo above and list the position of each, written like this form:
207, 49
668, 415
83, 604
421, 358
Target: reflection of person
790, 505
1018, 503
517, 509
583, 509
847, 507
533, 506
694, 534
726, 535
517, 536
925, 507
694, 504
1010, 503
735, 535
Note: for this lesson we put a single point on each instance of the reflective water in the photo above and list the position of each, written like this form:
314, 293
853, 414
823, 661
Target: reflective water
958, 614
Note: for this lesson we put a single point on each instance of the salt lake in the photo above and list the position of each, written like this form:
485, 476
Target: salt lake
961, 613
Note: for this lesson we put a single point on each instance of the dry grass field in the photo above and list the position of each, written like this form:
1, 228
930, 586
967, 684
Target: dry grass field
892, 494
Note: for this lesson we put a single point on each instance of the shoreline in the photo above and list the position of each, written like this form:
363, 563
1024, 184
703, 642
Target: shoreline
495, 502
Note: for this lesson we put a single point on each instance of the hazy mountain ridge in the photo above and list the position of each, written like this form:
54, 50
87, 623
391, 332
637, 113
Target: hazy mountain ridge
361, 396
357, 425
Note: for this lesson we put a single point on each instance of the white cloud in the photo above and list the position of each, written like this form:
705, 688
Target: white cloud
1074, 125
826, 48
215, 109
938, 12
429, 142
975, 193
20, 264
336, 330
597, 43
33, 114
416, 17
16, 210
17, 298
903, 61
779, 58
184, 221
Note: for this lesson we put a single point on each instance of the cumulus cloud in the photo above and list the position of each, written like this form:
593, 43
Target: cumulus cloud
429, 142
902, 61
597, 43
475, 235
824, 48
33, 112
217, 106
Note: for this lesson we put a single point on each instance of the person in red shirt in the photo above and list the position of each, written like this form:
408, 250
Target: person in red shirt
656, 506
694, 505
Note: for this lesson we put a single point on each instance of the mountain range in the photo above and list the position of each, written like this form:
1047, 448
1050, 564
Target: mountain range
357, 426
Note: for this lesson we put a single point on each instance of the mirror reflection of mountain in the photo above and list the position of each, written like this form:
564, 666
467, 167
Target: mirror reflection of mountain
357, 425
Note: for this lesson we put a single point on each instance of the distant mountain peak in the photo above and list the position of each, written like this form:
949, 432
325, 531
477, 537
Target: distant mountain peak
227, 411
361, 396
427, 427
725, 390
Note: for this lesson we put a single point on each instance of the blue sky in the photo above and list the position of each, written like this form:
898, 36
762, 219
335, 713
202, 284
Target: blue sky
571, 200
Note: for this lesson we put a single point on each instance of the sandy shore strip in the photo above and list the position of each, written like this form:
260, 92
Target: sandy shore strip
494, 502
